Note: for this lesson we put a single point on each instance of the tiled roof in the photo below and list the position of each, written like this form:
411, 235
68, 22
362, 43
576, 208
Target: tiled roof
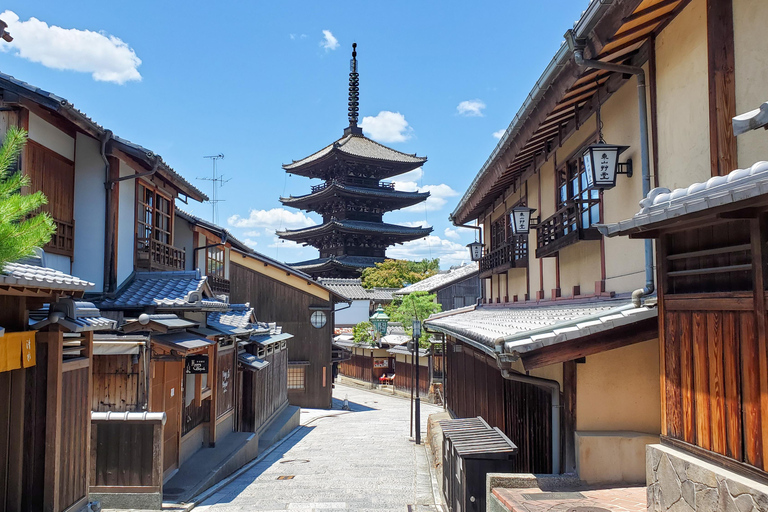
440, 280
360, 147
166, 290
340, 261
237, 320
751, 120
356, 226
335, 187
402, 349
661, 204
166, 320
231, 239
251, 362
184, 340
353, 289
23, 274
75, 316
268, 339
382, 294
522, 329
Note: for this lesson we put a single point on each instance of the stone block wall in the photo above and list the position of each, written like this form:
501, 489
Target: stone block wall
679, 482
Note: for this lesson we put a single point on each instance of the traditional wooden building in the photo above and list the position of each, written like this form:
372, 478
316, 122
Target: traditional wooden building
353, 199
363, 301
455, 288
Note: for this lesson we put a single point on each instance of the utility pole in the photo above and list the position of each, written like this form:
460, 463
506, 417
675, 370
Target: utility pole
217, 181
417, 400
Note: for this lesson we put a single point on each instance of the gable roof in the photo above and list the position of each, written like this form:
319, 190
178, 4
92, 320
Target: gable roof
214, 228
165, 290
359, 147
352, 288
441, 280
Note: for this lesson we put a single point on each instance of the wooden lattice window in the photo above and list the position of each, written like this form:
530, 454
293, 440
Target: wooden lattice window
498, 233
571, 190
214, 261
296, 377
154, 214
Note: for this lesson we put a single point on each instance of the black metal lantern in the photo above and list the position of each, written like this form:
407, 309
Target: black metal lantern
380, 320
601, 164
475, 251
520, 219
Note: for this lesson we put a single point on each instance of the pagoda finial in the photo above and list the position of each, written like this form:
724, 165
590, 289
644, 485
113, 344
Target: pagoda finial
354, 94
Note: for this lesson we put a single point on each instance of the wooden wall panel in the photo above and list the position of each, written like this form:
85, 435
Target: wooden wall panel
750, 386
673, 376
732, 383
716, 381
225, 383
701, 380
115, 384
75, 450
54, 175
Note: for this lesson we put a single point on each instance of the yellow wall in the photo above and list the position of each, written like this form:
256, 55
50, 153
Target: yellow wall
683, 99
619, 390
751, 61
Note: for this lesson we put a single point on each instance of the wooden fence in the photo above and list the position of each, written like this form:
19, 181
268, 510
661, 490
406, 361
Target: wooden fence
404, 376
264, 391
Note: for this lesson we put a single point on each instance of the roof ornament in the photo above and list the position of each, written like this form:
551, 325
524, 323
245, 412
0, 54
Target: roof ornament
354, 95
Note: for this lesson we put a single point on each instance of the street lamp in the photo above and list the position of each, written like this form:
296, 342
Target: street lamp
601, 163
415, 344
475, 251
379, 320
521, 220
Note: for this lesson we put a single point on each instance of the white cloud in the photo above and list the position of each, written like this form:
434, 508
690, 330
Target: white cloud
438, 195
413, 223
471, 108
329, 42
499, 134
387, 127
452, 233
271, 220
414, 175
250, 243
252, 233
450, 253
106, 57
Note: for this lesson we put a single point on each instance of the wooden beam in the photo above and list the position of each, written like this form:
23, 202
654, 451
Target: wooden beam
649, 10
623, 336
53, 338
722, 86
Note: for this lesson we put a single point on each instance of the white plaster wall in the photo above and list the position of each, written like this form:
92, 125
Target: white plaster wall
183, 239
356, 313
126, 224
89, 211
63, 264
51, 137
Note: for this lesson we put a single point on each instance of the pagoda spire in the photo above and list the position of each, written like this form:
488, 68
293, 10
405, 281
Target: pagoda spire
354, 95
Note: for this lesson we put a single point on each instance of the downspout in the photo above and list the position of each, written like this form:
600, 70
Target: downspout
108, 228
577, 46
554, 388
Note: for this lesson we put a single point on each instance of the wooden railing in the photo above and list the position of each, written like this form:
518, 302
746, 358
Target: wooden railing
218, 284
354, 182
63, 240
152, 254
512, 254
565, 227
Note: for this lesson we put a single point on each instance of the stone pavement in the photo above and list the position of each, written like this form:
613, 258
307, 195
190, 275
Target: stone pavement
360, 460
607, 499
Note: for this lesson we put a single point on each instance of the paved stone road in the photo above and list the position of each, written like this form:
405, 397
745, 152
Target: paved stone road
360, 460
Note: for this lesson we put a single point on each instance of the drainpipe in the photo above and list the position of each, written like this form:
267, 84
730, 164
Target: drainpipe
577, 46
108, 227
554, 388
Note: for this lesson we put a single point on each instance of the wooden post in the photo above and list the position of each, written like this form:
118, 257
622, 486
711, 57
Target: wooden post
54, 339
88, 352
213, 379
759, 234
722, 86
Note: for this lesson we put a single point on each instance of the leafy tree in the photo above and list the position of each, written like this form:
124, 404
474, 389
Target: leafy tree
399, 273
416, 305
20, 231
361, 334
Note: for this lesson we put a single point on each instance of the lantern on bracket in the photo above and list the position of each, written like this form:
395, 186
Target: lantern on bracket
520, 220
380, 320
475, 251
601, 164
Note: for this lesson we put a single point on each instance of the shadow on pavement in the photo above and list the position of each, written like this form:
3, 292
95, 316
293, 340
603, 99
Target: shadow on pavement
237, 485
353, 406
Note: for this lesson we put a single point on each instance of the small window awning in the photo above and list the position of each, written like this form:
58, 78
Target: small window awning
251, 362
182, 340
268, 339
117, 344
159, 323
205, 331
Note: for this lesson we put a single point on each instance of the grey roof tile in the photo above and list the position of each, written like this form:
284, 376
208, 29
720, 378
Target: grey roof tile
184, 340
440, 280
23, 274
341, 261
663, 205
352, 289
357, 226
522, 329
165, 290
75, 316
358, 146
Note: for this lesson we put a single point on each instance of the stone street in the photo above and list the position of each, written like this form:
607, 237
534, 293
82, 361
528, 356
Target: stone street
360, 460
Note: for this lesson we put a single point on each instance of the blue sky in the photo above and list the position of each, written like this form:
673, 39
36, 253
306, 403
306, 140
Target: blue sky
266, 82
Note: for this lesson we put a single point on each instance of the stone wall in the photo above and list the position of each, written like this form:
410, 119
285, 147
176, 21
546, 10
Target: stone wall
678, 482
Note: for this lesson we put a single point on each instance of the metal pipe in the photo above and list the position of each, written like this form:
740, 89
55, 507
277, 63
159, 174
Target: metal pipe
578, 57
108, 227
554, 387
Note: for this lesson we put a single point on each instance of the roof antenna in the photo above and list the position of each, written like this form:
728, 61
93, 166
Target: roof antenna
354, 95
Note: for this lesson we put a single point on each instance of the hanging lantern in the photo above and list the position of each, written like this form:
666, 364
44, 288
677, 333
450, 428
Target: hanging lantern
475, 251
380, 320
601, 163
520, 219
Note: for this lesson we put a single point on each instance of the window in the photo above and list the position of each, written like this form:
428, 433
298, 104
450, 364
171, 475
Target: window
318, 319
571, 190
214, 261
296, 377
498, 233
153, 213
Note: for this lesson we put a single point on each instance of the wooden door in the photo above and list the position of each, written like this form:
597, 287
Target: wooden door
166, 397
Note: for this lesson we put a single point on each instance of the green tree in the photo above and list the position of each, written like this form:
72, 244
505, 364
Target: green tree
399, 273
416, 305
20, 230
361, 334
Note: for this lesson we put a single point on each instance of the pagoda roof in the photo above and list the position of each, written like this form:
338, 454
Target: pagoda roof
356, 148
355, 226
336, 262
386, 194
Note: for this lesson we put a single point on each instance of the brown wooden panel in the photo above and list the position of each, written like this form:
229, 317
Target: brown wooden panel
701, 381
716, 381
686, 375
75, 449
732, 383
750, 385
672, 373
225, 383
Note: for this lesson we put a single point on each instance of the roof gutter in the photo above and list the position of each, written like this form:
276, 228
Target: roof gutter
581, 28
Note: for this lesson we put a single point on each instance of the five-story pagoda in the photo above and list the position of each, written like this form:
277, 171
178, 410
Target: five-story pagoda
352, 199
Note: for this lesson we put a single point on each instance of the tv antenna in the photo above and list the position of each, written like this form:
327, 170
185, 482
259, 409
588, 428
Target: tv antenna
217, 182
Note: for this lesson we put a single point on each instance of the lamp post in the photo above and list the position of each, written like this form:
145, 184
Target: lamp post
379, 319
416, 336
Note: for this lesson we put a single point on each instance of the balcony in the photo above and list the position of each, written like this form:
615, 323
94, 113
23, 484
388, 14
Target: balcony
567, 226
153, 254
63, 240
513, 254
355, 182
218, 284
